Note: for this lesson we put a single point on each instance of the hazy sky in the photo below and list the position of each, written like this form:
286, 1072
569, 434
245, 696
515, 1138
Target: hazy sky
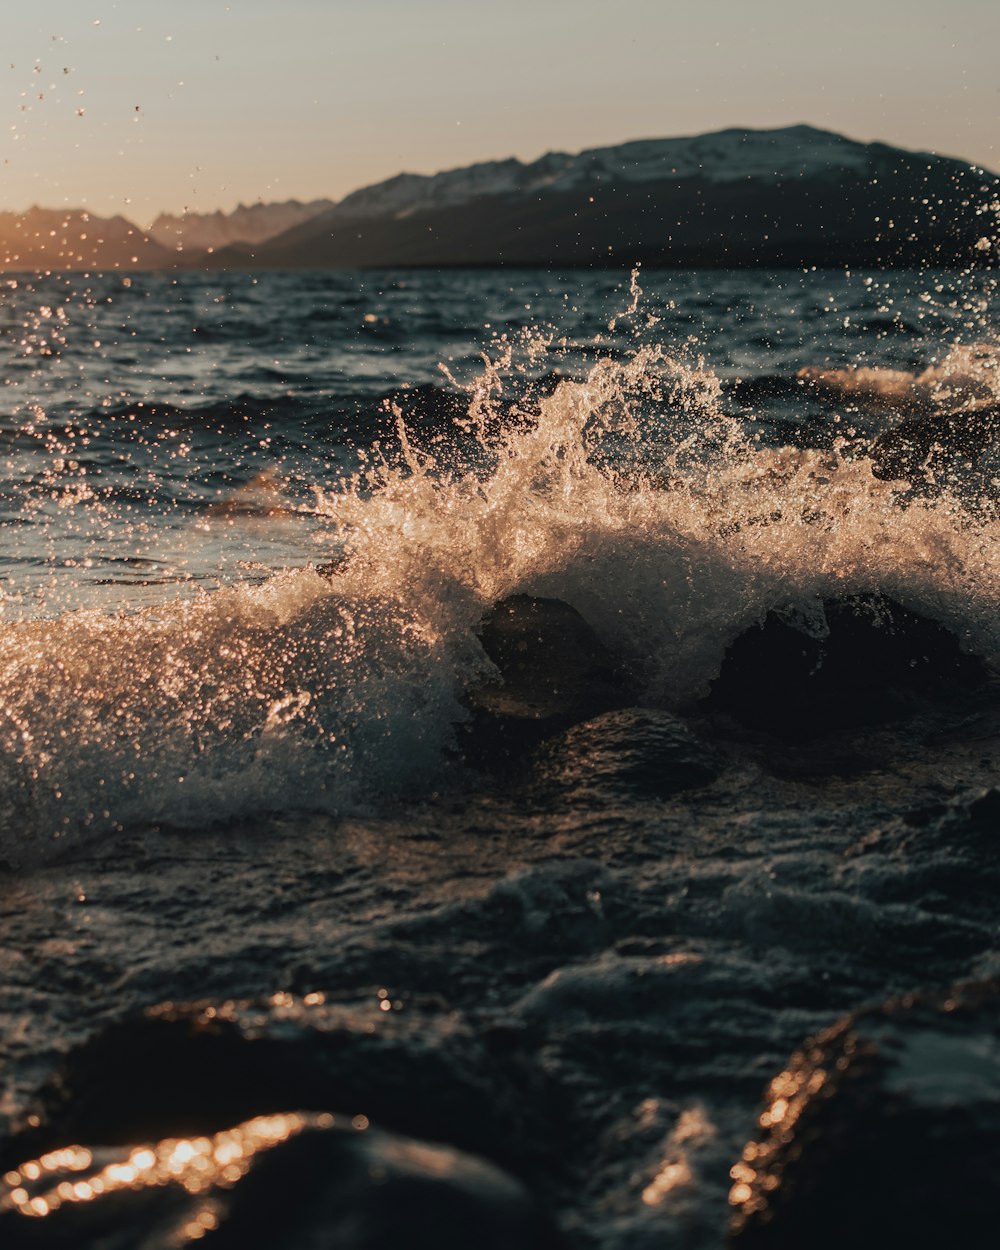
133, 106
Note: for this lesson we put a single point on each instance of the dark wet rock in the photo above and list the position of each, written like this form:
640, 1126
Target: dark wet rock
209, 1074
876, 661
882, 1131
930, 448
146, 1219
550, 660
554, 672
984, 811
631, 753
302, 1179
178, 1070
373, 1190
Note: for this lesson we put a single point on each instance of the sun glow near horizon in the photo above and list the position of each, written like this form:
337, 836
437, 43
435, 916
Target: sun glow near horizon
130, 109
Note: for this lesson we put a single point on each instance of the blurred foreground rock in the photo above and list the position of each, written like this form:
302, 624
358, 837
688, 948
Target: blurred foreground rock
882, 1131
178, 1126
297, 1179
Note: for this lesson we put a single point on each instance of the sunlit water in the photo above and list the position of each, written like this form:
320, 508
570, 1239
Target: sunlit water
251, 526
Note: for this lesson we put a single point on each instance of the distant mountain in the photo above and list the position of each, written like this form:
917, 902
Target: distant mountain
248, 223
794, 196
727, 156
788, 197
66, 239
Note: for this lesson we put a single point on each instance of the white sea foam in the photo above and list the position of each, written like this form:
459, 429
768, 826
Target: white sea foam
631, 496
968, 377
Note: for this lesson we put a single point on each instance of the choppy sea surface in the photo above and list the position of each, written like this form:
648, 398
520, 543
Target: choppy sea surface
251, 529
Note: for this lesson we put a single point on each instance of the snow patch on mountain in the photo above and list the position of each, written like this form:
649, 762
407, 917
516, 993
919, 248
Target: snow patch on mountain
726, 156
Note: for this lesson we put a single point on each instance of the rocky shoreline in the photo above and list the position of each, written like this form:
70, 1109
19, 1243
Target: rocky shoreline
559, 1035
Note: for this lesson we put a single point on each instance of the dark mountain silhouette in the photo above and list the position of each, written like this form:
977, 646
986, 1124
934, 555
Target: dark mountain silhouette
796, 196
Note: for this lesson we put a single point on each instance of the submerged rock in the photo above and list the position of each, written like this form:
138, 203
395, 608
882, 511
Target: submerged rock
373, 1190
216, 1064
295, 1178
632, 752
180, 1120
875, 661
554, 672
927, 448
882, 1131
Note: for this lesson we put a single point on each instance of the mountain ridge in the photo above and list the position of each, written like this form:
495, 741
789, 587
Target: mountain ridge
785, 196
792, 196
67, 240
637, 160
247, 223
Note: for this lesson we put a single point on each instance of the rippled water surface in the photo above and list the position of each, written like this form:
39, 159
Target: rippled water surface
251, 529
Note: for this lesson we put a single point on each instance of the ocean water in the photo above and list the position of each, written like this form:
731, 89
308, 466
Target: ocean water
251, 529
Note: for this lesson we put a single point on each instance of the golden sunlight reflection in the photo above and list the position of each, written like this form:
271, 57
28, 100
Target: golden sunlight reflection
759, 1173
670, 1176
692, 1130
43, 1185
